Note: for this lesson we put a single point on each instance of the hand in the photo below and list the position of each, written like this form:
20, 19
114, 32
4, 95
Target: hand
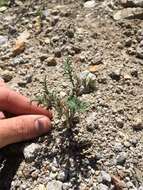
30, 121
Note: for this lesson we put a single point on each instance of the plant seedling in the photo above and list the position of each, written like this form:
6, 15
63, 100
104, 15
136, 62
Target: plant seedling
71, 104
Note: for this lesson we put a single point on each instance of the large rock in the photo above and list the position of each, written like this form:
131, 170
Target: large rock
129, 13
132, 3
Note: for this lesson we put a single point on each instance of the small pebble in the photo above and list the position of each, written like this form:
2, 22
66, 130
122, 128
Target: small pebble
116, 74
7, 75
121, 158
106, 178
51, 61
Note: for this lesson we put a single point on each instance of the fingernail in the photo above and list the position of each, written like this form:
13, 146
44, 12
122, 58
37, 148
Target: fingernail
42, 125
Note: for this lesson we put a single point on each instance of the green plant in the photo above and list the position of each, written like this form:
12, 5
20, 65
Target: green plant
3, 2
71, 104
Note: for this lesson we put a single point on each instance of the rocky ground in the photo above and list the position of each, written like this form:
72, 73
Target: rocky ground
104, 37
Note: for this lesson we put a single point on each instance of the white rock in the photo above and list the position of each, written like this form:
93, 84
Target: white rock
105, 177
30, 151
3, 8
88, 81
3, 40
54, 185
89, 4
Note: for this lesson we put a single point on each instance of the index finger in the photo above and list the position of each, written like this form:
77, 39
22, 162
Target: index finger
18, 104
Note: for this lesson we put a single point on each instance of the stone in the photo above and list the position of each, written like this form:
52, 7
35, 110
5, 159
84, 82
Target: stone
18, 48
54, 185
91, 122
132, 3
106, 178
66, 186
134, 141
130, 184
141, 188
7, 75
127, 144
30, 151
103, 187
62, 176
3, 8
138, 123
70, 33
118, 147
57, 52
42, 56
3, 40
89, 4
120, 122
18, 60
88, 81
139, 51
51, 61
45, 13
129, 13
115, 74
121, 158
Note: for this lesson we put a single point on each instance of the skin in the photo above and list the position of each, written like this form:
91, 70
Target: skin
29, 120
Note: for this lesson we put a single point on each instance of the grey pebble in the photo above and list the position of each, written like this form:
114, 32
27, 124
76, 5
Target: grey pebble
118, 147
121, 158
18, 60
3, 40
62, 176
91, 122
141, 188
106, 178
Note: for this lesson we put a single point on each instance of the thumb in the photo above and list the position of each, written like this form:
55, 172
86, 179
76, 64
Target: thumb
22, 128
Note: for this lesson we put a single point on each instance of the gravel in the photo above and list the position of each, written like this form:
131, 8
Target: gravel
104, 42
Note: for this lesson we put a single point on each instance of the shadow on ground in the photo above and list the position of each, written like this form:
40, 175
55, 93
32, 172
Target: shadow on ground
10, 159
